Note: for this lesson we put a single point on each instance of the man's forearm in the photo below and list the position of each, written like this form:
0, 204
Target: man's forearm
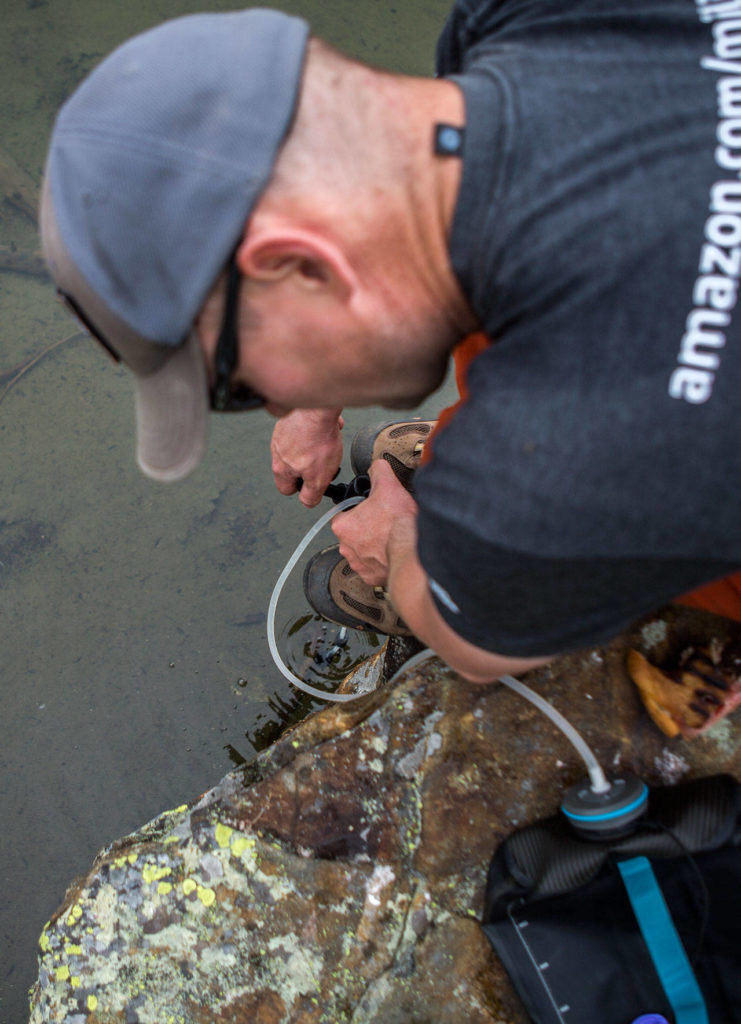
409, 593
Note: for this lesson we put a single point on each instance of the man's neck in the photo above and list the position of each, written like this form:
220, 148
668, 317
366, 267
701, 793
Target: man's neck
419, 202
360, 165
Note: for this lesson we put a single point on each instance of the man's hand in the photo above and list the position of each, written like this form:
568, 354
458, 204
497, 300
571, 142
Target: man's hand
379, 539
307, 445
364, 531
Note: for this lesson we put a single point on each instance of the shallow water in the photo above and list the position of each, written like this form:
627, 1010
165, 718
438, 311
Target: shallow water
135, 670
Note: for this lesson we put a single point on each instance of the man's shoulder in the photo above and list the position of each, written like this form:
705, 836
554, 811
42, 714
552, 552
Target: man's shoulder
472, 25
468, 22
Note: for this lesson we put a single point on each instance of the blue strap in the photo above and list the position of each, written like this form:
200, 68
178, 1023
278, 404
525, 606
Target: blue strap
664, 945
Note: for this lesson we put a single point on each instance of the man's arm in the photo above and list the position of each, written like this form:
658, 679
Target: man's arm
409, 593
379, 539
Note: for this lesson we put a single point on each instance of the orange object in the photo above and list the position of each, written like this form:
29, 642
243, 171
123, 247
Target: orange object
722, 597
463, 355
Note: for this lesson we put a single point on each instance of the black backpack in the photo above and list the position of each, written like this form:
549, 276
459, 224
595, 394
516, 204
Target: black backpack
610, 931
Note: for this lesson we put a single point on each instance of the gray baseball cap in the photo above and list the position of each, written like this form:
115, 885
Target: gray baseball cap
155, 163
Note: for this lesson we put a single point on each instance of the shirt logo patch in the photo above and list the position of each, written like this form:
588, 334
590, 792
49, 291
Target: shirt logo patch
444, 597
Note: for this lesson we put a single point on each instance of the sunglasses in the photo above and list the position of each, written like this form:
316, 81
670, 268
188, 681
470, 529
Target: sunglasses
226, 395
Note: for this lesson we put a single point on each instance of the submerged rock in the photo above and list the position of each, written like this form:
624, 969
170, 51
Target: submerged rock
31, 263
18, 187
339, 876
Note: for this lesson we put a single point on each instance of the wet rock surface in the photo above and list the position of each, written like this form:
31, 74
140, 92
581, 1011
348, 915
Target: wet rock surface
339, 876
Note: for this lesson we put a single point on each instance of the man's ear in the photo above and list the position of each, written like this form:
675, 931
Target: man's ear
272, 253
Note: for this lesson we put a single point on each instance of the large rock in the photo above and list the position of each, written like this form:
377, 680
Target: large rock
339, 877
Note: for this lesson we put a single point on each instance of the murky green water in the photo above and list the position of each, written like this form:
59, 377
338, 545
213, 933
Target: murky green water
135, 670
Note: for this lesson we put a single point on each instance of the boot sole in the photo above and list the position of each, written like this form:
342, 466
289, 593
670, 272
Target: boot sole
339, 595
395, 446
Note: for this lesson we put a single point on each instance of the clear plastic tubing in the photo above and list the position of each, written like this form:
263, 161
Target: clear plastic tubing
277, 589
599, 783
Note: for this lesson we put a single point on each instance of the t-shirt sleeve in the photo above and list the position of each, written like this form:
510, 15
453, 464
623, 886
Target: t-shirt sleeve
523, 605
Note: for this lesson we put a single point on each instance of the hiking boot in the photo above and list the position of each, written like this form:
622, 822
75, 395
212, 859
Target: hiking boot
339, 595
400, 443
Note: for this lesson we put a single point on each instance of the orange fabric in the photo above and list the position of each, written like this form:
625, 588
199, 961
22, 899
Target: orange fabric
722, 597
463, 355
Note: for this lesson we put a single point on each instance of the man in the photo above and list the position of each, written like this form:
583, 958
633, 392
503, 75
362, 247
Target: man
245, 215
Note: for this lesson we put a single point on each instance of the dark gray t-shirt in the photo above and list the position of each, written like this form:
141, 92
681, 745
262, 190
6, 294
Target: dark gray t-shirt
594, 472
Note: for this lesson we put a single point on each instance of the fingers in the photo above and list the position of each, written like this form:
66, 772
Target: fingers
388, 493
361, 539
288, 481
312, 493
370, 570
306, 449
364, 531
285, 479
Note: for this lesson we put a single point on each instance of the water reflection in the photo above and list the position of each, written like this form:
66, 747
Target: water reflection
319, 653
129, 611
322, 653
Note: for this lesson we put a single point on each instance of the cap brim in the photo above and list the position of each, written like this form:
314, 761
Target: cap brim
172, 414
170, 381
